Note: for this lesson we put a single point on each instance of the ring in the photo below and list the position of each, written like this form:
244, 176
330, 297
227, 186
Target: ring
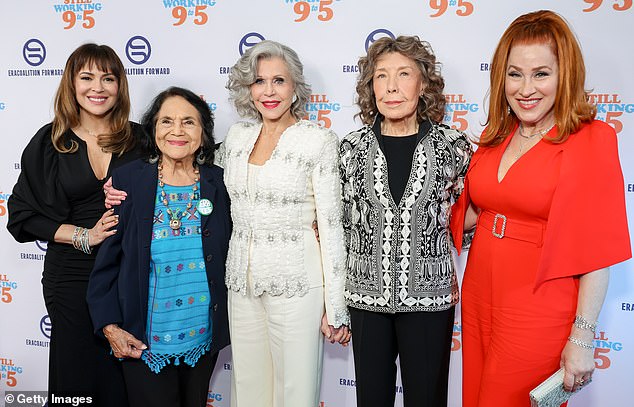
580, 382
103, 223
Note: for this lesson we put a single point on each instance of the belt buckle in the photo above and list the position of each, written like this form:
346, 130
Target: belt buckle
502, 228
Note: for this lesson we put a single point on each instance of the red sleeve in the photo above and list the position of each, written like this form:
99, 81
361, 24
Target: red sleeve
587, 224
459, 208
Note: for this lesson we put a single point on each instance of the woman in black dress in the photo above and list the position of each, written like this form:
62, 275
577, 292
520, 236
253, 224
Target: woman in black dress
58, 197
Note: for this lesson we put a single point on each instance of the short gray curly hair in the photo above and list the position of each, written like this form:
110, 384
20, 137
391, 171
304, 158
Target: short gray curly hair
244, 72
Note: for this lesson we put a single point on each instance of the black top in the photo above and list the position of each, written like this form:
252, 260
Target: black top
399, 153
56, 188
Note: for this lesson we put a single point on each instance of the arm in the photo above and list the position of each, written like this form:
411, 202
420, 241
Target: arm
327, 189
578, 360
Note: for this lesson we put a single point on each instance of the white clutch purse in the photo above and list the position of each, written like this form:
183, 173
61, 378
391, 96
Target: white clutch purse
550, 392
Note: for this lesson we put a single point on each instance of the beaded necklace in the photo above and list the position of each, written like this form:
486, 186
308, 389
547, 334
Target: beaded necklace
175, 218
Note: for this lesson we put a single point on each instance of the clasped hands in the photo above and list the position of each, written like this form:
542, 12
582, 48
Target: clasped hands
341, 334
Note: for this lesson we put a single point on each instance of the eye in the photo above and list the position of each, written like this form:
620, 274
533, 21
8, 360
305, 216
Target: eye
542, 74
514, 74
85, 78
166, 122
110, 79
404, 73
189, 123
278, 81
379, 76
258, 81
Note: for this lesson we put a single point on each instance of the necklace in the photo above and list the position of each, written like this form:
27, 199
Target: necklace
529, 137
175, 218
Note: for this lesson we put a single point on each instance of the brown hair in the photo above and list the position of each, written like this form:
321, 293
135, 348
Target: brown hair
572, 107
432, 105
105, 59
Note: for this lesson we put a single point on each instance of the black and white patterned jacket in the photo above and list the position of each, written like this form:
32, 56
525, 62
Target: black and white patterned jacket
399, 254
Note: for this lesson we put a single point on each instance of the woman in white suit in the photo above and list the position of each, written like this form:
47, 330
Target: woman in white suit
282, 173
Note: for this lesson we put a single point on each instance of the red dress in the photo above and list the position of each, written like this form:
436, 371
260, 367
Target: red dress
537, 232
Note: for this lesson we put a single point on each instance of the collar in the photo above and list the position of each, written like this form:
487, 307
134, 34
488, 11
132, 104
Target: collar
423, 129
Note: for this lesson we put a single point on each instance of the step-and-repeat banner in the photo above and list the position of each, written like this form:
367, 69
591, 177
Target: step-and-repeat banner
193, 43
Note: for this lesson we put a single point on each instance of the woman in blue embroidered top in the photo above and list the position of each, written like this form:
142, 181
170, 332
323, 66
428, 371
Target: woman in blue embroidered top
156, 292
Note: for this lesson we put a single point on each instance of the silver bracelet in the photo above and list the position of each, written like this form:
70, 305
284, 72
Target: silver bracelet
582, 323
580, 343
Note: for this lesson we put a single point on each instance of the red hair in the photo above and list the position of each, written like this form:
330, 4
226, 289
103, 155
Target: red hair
572, 107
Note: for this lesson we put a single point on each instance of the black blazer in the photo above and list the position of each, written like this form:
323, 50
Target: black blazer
118, 285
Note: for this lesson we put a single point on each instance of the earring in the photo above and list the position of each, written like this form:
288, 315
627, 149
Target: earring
294, 97
200, 158
153, 158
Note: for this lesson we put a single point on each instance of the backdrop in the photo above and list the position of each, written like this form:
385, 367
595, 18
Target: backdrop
192, 43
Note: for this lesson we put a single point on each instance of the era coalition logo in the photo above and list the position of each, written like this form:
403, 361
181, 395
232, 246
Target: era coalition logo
610, 108
138, 51
42, 246
34, 52
319, 107
246, 42
45, 329
369, 40
456, 110
9, 371
34, 55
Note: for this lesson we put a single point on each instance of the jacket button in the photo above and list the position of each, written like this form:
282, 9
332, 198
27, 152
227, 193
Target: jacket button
206, 232
209, 257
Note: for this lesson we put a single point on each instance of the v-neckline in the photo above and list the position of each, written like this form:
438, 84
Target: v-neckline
505, 145
277, 145
92, 168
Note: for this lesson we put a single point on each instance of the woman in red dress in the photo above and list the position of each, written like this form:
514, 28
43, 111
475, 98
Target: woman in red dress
544, 192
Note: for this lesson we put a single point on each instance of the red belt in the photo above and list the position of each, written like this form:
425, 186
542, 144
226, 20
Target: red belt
503, 227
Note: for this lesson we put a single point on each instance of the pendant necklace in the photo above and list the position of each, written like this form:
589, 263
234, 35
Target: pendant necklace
529, 137
175, 218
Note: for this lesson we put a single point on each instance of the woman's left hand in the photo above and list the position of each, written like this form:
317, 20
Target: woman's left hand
578, 364
341, 334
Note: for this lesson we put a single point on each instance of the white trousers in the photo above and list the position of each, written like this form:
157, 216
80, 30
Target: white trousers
277, 349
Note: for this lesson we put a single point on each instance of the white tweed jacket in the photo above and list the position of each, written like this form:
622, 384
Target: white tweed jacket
272, 234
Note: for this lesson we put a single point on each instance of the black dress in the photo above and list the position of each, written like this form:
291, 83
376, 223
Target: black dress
54, 189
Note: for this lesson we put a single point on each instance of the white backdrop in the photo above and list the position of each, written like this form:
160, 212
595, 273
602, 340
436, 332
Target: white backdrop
192, 43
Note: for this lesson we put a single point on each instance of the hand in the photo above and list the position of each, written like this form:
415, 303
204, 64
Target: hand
113, 196
578, 364
341, 334
102, 228
123, 344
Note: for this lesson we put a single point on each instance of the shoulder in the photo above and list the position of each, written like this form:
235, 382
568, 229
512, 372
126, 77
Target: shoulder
592, 138
354, 137
129, 171
453, 136
41, 139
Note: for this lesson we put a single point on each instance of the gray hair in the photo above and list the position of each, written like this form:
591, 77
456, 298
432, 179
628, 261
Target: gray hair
244, 72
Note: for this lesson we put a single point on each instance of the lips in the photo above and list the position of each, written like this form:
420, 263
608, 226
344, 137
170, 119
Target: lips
528, 104
176, 143
97, 99
271, 104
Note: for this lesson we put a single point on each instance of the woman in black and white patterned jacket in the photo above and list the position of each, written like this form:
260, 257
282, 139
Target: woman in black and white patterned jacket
400, 174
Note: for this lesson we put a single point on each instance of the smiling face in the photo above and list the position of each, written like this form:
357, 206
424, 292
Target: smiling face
397, 85
96, 91
272, 91
532, 76
178, 132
